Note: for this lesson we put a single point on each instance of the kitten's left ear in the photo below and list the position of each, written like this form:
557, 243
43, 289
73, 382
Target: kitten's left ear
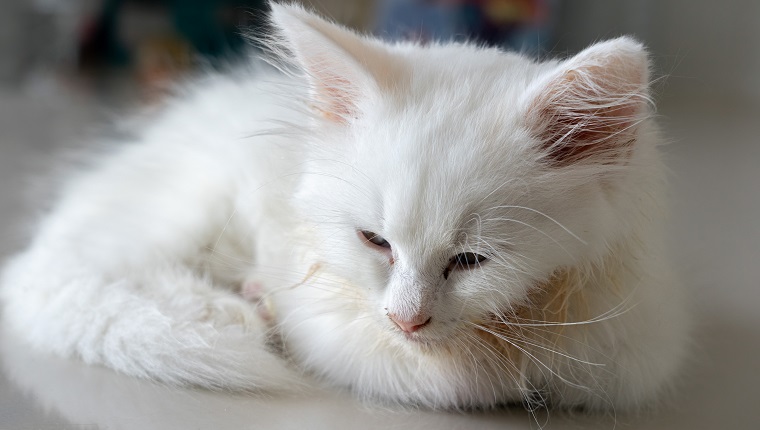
342, 67
589, 108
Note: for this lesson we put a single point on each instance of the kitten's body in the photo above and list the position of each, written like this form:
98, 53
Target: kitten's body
141, 265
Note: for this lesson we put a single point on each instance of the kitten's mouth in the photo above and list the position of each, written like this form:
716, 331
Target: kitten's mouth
414, 337
420, 343
422, 338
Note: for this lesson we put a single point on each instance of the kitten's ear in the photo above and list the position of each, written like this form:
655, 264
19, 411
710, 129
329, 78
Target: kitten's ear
342, 67
590, 107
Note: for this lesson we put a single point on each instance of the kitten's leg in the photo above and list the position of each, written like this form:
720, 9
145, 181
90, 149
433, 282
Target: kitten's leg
111, 277
145, 326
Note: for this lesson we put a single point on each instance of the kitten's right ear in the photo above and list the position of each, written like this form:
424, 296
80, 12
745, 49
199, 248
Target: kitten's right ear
342, 67
588, 109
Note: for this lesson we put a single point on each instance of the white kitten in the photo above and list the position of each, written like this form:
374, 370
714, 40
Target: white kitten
447, 226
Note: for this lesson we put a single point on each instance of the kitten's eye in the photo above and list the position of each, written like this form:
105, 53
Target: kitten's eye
468, 259
375, 239
463, 261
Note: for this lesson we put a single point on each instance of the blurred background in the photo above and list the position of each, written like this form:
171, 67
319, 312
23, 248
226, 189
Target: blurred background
68, 68
708, 50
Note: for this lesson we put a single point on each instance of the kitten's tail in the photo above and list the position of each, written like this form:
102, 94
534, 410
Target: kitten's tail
166, 324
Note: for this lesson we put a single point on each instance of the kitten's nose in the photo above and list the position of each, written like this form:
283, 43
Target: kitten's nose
410, 325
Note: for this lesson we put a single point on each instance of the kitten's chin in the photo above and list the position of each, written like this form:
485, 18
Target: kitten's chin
417, 339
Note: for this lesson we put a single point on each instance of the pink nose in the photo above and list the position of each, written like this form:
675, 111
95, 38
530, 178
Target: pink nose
409, 326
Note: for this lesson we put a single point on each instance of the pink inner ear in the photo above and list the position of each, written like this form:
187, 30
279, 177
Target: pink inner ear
588, 114
334, 101
333, 94
337, 61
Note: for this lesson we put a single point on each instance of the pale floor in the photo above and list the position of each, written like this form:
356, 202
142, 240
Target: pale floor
716, 239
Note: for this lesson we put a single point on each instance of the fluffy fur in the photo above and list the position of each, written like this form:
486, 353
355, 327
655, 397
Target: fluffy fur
257, 188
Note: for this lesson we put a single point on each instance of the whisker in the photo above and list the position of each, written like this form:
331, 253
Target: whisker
567, 230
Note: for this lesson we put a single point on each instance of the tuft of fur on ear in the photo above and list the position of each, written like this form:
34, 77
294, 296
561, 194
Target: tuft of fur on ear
338, 63
590, 107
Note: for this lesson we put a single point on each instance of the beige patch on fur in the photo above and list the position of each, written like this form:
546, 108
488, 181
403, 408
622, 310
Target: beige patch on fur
553, 318
313, 269
533, 331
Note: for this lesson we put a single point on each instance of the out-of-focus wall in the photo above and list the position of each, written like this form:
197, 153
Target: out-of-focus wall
709, 50
39, 35
358, 14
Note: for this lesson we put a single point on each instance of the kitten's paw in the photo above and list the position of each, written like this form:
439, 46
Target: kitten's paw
255, 292
252, 290
223, 312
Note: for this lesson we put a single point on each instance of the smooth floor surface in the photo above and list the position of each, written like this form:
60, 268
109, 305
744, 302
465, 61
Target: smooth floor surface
715, 157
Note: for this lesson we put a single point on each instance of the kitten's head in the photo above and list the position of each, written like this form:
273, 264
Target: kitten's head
448, 180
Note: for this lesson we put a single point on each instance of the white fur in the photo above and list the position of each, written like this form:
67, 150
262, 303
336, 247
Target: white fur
265, 179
